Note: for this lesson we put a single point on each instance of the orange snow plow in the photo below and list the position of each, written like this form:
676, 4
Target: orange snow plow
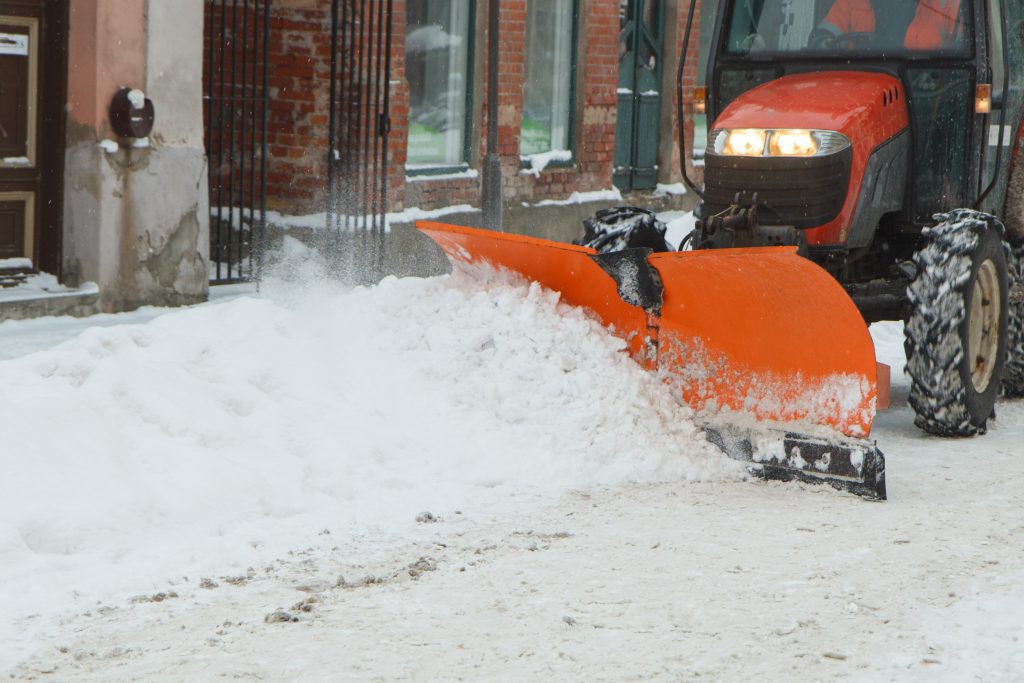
766, 347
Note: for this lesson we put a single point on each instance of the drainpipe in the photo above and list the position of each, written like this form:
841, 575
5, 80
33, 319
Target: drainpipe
492, 163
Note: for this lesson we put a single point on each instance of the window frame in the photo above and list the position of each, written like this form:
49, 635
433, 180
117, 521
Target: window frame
524, 162
467, 124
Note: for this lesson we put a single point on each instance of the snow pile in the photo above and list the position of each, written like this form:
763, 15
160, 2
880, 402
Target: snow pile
214, 437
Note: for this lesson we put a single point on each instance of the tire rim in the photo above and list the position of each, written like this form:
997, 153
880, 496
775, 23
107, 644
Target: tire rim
983, 328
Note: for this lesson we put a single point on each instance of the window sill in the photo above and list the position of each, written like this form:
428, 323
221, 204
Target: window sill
535, 164
415, 174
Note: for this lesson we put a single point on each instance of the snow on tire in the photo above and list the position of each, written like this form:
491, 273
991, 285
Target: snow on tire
956, 335
1013, 372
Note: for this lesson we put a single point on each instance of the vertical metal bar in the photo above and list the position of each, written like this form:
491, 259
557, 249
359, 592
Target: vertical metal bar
359, 160
245, 48
232, 105
344, 133
387, 122
329, 210
377, 129
353, 180
220, 146
492, 165
263, 142
209, 17
380, 141
253, 173
370, 135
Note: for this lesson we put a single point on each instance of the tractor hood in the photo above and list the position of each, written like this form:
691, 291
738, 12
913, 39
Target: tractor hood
818, 194
867, 107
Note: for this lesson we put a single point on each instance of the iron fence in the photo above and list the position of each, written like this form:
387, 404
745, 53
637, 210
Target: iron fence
237, 43
359, 126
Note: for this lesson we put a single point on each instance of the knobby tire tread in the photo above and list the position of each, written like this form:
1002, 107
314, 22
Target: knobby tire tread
1013, 373
933, 343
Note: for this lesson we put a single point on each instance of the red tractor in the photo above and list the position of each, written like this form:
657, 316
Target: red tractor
882, 139
861, 166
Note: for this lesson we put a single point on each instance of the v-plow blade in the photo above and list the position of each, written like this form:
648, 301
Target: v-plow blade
737, 333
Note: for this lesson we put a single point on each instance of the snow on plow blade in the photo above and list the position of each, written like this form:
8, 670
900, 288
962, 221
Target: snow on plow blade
737, 333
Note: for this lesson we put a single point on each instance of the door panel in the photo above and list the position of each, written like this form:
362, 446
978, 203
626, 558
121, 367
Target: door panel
14, 86
19, 178
639, 96
32, 96
16, 212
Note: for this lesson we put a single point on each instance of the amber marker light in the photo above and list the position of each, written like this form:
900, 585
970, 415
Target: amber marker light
700, 100
983, 98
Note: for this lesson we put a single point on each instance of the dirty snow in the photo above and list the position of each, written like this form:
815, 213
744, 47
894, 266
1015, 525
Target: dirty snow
425, 480
210, 439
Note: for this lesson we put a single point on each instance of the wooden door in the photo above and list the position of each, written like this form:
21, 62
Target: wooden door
31, 133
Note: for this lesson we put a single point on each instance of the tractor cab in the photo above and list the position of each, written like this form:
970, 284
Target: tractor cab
781, 69
882, 139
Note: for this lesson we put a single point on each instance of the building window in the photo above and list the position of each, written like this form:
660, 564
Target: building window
550, 73
438, 50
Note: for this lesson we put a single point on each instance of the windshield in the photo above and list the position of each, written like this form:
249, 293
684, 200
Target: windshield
848, 28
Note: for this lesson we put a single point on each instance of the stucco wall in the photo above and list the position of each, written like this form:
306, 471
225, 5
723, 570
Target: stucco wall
137, 219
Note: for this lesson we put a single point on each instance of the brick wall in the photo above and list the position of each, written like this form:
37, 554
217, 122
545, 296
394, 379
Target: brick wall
300, 54
300, 85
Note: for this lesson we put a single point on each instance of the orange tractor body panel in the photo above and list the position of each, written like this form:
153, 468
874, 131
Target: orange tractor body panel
868, 108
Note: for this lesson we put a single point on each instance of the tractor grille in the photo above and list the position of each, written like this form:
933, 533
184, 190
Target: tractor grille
807, 191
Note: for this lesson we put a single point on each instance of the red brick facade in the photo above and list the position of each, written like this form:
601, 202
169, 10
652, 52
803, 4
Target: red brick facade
300, 50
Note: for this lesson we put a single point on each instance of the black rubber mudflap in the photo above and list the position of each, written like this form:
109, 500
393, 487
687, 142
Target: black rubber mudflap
852, 465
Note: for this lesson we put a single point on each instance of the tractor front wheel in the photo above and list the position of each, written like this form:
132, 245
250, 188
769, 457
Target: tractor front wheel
957, 334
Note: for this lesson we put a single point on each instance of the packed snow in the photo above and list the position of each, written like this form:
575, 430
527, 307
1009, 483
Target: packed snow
446, 478
227, 434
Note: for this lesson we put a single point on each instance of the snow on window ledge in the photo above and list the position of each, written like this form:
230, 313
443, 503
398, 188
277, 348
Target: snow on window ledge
418, 173
534, 164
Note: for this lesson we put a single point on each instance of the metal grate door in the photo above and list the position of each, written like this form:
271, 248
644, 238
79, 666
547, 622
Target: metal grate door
359, 127
237, 39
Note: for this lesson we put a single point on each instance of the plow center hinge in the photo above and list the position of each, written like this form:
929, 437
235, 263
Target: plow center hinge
637, 282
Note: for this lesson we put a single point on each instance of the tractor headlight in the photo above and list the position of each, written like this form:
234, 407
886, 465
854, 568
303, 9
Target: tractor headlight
789, 142
792, 143
743, 142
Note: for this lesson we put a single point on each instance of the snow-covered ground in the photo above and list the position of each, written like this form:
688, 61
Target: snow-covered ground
431, 479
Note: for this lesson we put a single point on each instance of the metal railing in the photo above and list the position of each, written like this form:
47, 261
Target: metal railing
359, 126
237, 45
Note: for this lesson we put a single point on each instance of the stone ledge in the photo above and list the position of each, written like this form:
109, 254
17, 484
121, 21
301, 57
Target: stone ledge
75, 303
